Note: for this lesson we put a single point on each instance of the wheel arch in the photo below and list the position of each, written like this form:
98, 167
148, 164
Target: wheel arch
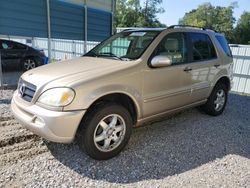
222, 79
225, 80
120, 98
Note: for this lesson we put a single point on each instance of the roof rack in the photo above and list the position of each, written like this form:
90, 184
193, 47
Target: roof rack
191, 26
142, 29
126, 30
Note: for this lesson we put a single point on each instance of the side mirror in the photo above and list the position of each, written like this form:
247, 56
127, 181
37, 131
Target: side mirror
161, 61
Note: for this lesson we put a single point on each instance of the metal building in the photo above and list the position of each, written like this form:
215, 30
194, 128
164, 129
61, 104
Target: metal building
86, 20
62, 28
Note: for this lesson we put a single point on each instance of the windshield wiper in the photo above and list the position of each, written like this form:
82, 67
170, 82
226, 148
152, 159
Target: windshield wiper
106, 54
109, 54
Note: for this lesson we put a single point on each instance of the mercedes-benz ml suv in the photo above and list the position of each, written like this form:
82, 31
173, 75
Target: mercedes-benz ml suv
131, 78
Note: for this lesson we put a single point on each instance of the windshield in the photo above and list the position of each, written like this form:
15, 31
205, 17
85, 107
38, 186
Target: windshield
125, 46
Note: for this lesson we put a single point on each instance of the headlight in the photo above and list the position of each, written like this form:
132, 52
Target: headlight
57, 97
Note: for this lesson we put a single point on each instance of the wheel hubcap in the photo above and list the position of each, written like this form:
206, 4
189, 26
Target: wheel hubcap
109, 132
220, 100
29, 64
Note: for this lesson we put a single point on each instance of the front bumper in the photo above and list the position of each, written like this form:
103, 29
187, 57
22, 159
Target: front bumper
52, 125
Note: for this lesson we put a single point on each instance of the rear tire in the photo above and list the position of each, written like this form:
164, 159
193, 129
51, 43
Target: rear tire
217, 100
105, 131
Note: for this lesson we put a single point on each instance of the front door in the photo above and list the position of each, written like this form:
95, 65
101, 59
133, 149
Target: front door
166, 88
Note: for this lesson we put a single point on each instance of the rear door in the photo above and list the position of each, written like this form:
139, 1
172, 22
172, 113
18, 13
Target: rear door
203, 61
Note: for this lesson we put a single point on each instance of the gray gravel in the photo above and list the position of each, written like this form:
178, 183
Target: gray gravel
190, 149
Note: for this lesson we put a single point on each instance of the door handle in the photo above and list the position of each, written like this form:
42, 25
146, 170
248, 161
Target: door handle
216, 65
188, 69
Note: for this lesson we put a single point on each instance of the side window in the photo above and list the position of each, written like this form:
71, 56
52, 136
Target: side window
173, 46
6, 45
17, 46
202, 47
224, 45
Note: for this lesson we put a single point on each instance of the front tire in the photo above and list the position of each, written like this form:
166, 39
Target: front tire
105, 131
217, 100
28, 64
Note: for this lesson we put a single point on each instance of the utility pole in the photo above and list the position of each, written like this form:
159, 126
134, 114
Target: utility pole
113, 17
1, 72
49, 29
85, 26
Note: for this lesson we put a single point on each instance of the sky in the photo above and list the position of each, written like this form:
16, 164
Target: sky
175, 9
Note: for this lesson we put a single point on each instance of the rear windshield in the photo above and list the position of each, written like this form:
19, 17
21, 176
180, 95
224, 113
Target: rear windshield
224, 45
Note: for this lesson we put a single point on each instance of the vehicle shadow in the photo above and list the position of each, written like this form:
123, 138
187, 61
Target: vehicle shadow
173, 146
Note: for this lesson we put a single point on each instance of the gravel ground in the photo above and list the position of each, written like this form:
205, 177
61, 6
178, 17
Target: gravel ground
190, 149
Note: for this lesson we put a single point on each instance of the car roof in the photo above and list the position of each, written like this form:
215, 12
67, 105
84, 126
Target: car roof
6, 40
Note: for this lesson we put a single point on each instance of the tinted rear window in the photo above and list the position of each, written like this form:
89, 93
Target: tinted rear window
224, 45
203, 48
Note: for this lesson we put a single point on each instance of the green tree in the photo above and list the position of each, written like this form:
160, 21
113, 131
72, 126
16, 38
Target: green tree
218, 18
150, 10
132, 13
242, 30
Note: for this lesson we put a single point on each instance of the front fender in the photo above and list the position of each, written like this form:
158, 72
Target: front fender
88, 99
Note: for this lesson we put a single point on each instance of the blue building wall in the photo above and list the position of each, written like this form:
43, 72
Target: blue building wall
67, 20
23, 18
29, 18
99, 24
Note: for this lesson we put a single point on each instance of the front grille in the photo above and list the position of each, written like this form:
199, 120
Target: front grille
26, 90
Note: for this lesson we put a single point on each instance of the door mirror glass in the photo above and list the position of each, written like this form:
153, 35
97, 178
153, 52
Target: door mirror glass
161, 61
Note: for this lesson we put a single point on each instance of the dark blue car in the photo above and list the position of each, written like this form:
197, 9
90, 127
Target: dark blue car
17, 56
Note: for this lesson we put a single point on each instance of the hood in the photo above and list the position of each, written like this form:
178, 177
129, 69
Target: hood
67, 72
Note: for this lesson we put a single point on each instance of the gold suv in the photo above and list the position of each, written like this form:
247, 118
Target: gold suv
131, 78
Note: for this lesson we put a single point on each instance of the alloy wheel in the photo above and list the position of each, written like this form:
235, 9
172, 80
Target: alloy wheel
219, 100
29, 64
109, 132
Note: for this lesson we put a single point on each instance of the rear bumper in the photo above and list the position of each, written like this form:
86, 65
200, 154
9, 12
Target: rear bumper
52, 125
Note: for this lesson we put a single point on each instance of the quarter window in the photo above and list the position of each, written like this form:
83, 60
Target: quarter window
202, 47
223, 42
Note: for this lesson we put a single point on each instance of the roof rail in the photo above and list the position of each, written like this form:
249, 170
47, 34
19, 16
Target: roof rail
191, 26
126, 30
